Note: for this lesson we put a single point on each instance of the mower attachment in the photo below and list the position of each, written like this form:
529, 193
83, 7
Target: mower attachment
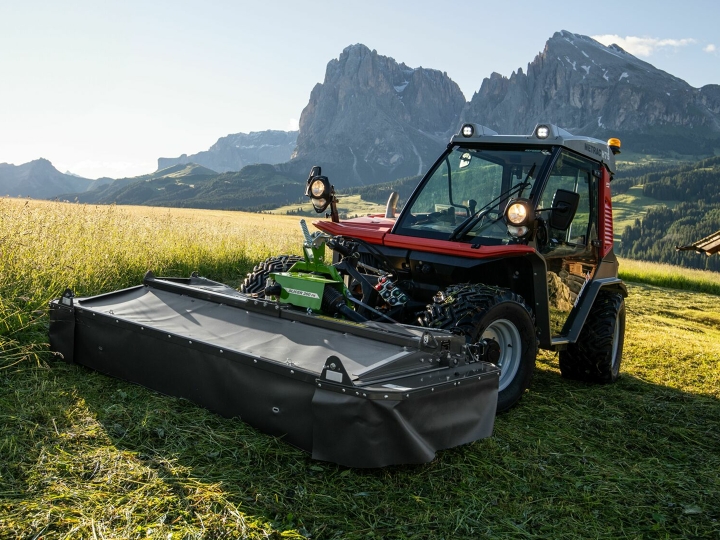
358, 394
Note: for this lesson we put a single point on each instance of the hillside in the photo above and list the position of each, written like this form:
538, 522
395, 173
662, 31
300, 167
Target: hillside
39, 179
194, 186
686, 208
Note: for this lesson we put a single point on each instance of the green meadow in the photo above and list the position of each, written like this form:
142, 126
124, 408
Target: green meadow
90, 457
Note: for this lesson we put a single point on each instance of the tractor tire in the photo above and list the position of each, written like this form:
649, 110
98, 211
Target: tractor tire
596, 355
254, 283
481, 312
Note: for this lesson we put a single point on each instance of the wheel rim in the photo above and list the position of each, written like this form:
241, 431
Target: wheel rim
508, 337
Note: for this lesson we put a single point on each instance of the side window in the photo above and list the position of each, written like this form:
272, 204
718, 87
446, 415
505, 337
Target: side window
570, 173
569, 254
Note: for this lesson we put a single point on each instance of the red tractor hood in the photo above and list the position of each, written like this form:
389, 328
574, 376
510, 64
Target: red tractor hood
375, 229
371, 228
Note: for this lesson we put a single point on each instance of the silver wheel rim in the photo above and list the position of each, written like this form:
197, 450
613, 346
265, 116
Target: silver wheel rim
508, 337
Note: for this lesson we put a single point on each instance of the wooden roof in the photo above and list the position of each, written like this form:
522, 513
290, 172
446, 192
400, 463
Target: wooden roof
708, 245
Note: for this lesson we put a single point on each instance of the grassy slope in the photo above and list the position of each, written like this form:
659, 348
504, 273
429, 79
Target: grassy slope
86, 456
627, 207
350, 205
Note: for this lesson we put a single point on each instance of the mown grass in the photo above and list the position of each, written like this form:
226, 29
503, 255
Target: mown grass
86, 456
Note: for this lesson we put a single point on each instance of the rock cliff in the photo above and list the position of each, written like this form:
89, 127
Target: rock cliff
373, 119
601, 91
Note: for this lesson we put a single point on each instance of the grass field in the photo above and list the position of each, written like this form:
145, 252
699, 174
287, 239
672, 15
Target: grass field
350, 205
86, 456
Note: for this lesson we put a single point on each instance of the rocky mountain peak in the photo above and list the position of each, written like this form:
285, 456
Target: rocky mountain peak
584, 86
374, 119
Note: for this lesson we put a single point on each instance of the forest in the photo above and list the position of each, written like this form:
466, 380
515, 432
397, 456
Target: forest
662, 229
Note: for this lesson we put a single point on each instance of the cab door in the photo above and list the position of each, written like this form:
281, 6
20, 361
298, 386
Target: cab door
570, 253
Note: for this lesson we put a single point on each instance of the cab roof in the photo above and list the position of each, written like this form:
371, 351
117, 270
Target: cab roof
543, 135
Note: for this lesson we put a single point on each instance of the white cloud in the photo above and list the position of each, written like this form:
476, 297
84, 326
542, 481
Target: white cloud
709, 48
642, 46
293, 125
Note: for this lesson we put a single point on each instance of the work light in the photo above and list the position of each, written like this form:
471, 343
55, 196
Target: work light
542, 132
319, 191
517, 213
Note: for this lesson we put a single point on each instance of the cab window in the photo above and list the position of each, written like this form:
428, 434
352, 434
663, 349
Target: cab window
575, 174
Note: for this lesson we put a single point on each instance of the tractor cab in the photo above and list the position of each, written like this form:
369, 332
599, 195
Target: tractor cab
488, 189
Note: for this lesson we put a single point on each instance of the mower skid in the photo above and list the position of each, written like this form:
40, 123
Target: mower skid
356, 394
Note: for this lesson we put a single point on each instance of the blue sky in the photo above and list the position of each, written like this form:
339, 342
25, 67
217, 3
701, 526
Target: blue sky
105, 88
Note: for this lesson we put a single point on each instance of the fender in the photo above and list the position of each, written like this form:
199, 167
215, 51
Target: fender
579, 314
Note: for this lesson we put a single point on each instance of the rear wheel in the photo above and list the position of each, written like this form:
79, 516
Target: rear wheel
482, 312
596, 355
255, 281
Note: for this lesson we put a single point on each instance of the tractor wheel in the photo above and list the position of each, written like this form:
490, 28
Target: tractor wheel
254, 283
596, 355
482, 312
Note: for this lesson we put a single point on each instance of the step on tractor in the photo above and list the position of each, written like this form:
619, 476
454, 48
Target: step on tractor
398, 334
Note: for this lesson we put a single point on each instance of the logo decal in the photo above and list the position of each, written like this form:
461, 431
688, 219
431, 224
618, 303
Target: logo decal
307, 294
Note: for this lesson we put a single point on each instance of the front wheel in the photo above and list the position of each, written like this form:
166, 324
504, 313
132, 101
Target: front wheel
482, 312
596, 355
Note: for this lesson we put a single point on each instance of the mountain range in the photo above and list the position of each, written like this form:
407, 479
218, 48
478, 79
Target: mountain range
38, 179
375, 120
233, 152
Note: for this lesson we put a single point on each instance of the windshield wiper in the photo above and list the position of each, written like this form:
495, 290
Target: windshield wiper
469, 222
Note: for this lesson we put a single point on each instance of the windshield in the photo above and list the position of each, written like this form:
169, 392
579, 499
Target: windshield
466, 194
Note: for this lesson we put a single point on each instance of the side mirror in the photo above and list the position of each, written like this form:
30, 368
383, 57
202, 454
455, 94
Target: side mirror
564, 206
391, 205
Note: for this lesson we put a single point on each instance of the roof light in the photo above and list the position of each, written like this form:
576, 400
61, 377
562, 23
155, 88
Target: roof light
542, 132
614, 145
468, 130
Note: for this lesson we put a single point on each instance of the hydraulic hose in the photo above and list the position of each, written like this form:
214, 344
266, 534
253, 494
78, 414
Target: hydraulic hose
333, 302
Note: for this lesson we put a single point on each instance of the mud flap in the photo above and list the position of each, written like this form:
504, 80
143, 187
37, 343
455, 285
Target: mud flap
361, 432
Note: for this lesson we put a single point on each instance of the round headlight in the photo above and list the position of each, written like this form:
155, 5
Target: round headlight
517, 214
517, 232
468, 130
542, 132
317, 188
319, 203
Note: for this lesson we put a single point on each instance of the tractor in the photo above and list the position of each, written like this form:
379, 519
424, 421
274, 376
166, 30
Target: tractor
507, 241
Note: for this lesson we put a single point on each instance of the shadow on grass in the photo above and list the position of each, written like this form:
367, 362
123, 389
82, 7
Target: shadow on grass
571, 461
